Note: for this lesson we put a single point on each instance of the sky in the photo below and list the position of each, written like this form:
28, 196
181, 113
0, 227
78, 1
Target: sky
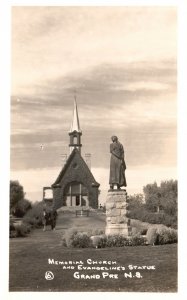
122, 62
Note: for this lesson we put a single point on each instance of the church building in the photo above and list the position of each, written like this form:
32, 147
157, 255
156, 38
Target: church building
75, 185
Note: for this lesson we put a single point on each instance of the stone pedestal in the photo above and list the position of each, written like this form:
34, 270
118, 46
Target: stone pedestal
116, 209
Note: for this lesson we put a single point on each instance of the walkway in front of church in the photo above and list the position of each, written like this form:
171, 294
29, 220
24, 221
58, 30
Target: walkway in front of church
54, 238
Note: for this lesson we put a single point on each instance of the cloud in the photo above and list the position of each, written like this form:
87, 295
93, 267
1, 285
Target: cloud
54, 41
101, 90
143, 118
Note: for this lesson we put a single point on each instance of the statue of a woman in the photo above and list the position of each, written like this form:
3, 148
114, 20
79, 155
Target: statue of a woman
117, 164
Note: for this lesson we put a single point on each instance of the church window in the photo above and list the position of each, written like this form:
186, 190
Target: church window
74, 139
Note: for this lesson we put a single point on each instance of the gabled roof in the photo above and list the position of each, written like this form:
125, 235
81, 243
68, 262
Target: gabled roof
65, 167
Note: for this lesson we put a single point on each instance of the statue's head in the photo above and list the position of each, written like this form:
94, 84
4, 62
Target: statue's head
114, 138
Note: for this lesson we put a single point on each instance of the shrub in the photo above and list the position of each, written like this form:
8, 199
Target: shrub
22, 230
153, 218
102, 242
155, 235
21, 207
120, 241
12, 230
98, 241
12, 227
34, 215
76, 239
81, 240
152, 236
159, 235
69, 236
138, 240
115, 241
166, 236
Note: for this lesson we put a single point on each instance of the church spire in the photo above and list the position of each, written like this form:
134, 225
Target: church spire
75, 131
75, 126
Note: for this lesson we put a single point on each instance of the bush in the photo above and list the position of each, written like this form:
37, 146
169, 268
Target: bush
153, 218
159, 235
115, 241
34, 215
22, 230
138, 240
12, 227
21, 208
81, 240
98, 241
12, 230
102, 242
76, 239
156, 235
69, 236
152, 236
166, 236
122, 241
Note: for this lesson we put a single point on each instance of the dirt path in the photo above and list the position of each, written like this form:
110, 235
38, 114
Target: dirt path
53, 238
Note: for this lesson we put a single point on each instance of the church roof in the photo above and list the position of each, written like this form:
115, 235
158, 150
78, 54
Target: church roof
62, 173
75, 126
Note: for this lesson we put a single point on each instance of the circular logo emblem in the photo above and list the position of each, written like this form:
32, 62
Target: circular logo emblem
49, 275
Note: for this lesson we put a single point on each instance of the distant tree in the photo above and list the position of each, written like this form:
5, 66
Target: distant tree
16, 193
169, 196
18, 205
157, 206
21, 208
135, 201
161, 197
152, 197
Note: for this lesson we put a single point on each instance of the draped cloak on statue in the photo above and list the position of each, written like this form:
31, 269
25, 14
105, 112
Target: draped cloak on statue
117, 165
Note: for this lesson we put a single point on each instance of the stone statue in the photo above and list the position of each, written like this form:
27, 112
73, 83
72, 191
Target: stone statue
117, 164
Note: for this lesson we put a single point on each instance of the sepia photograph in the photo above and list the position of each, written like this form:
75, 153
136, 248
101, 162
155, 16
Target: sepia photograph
93, 189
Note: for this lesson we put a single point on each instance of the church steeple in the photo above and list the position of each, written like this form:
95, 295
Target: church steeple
75, 126
75, 131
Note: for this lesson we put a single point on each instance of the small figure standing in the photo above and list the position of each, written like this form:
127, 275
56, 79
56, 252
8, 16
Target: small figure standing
117, 164
49, 218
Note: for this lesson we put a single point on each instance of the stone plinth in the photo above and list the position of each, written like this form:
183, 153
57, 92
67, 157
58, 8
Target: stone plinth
116, 209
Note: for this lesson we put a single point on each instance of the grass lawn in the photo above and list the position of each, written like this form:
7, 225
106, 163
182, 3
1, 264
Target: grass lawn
29, 262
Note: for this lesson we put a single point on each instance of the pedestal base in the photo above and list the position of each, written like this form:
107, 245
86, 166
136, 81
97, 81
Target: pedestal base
117, 229
116, 208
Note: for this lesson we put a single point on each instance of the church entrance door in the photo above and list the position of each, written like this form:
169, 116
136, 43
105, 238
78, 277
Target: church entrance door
76, 194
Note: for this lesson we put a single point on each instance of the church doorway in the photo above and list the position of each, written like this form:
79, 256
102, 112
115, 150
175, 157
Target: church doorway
76, 194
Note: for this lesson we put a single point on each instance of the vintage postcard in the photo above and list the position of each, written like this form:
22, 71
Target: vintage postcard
93, 202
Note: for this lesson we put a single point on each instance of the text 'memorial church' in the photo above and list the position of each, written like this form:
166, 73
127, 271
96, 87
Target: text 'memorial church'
75, 184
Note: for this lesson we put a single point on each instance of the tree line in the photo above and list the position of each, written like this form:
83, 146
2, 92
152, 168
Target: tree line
158, 204
18, 204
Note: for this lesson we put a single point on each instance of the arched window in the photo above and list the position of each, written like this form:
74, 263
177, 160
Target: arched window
76, 194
